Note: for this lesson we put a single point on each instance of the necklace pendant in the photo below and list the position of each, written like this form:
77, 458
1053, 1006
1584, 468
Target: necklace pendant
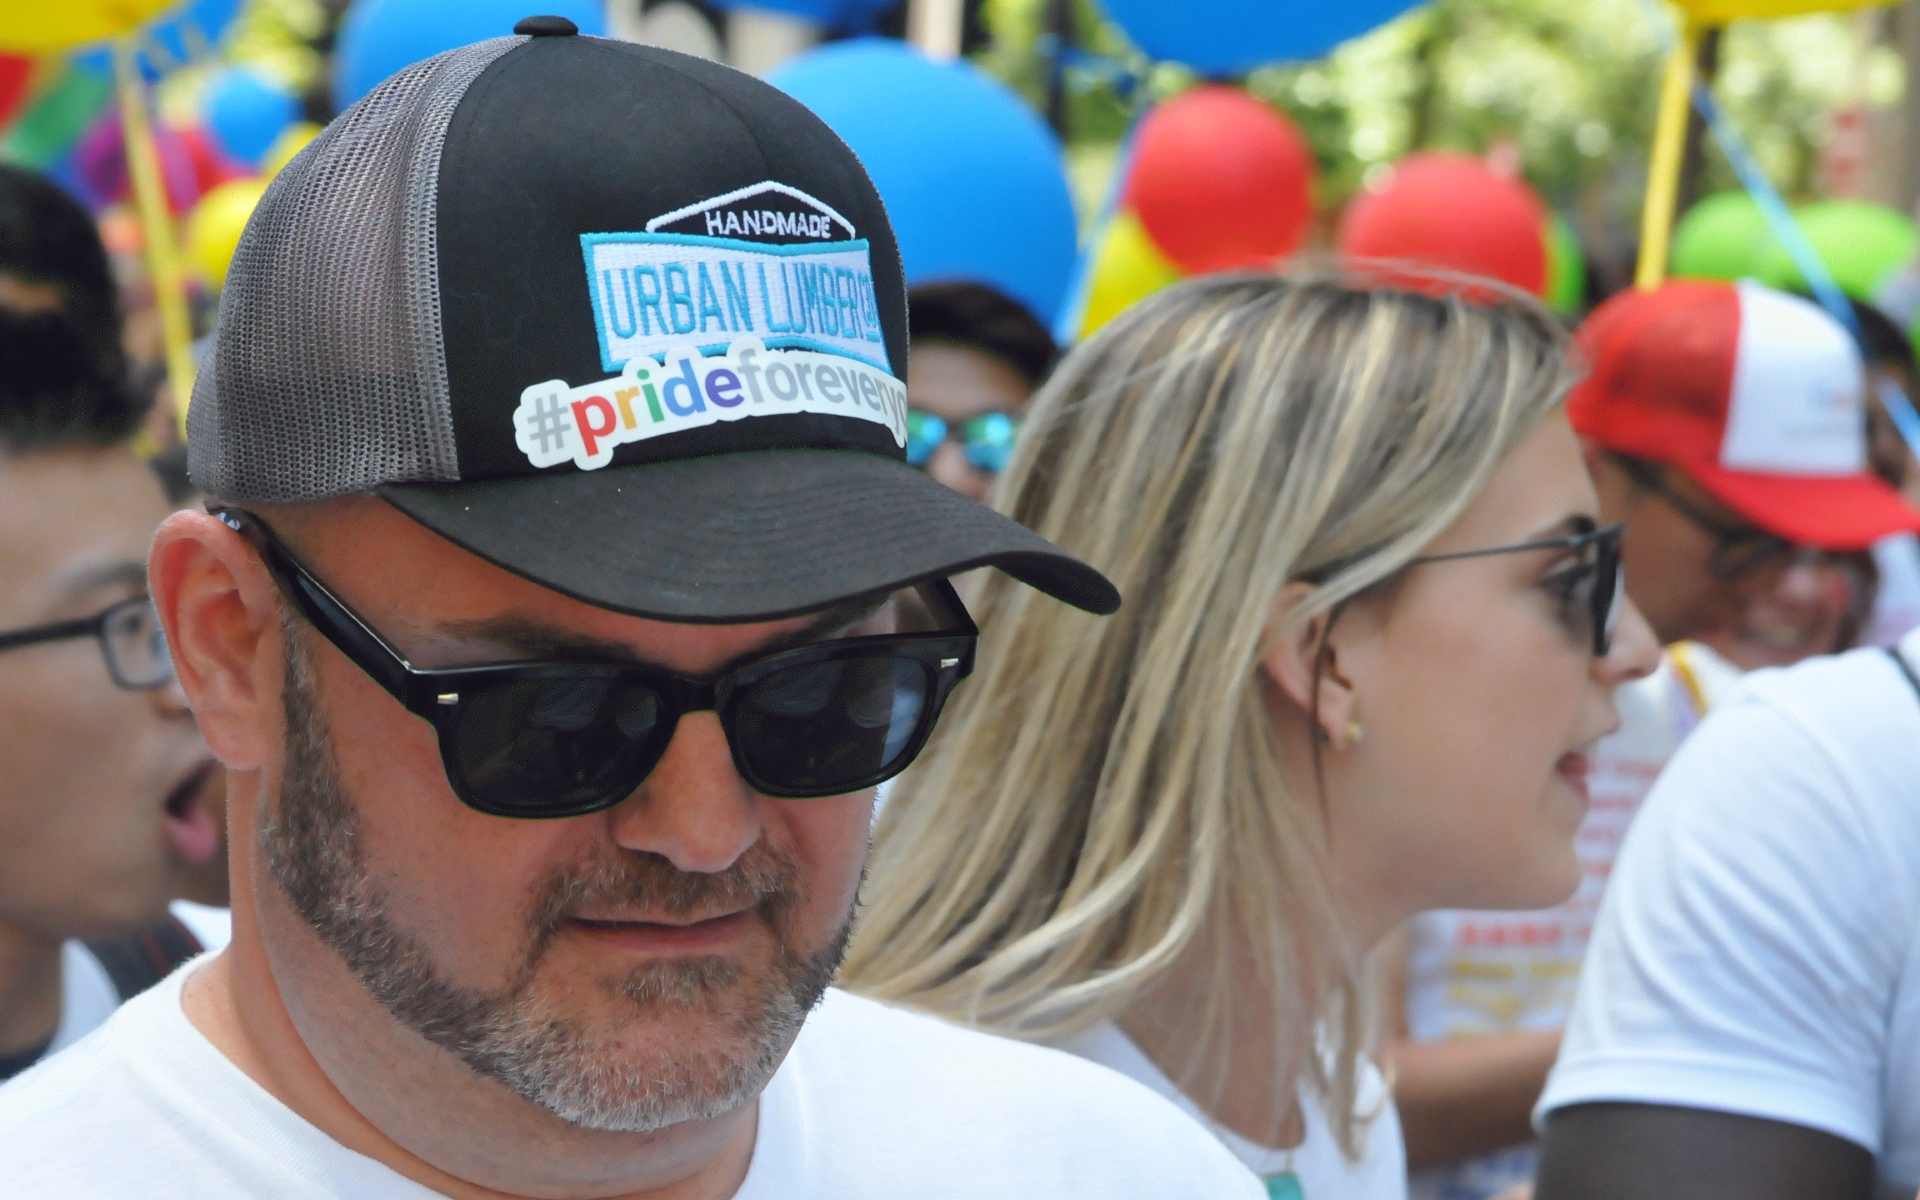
1284, 1186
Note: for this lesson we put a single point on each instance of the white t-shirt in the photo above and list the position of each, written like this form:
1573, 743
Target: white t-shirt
1896, 605
871, 1104
87, 994
1471, 973
1756, 951
1321, 1167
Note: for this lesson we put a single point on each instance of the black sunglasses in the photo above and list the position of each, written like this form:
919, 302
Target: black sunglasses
130, 639
1597, 594
562, 739
1738, 549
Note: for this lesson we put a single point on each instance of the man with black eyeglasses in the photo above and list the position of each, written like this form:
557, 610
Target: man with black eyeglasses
1724, 426
102, 771
564, 593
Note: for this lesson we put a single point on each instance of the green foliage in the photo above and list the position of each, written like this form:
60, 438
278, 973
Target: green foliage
1568, 85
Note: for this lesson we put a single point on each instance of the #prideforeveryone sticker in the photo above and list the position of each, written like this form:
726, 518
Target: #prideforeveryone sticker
556, 423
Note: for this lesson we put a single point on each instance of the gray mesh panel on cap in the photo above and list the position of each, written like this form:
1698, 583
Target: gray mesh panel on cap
328, 373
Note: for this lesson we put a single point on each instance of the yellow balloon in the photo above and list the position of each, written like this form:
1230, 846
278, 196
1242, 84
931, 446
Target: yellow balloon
215, 224
1126, 270
292, 140
49, 26
1719, 12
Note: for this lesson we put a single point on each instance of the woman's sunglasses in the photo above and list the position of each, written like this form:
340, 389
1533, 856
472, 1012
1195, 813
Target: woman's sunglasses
561, 739
1596, 594
988, 438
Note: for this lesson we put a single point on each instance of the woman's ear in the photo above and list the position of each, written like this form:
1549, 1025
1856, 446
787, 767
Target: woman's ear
1305, 659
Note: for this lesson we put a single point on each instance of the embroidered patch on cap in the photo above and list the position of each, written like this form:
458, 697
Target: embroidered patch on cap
767, 261
766, 212
556, 423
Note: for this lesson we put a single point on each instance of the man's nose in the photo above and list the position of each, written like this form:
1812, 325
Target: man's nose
1633, 653
951, 466
694, 810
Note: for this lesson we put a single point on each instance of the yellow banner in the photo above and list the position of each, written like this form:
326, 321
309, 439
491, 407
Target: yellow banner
48, 26
1719, 12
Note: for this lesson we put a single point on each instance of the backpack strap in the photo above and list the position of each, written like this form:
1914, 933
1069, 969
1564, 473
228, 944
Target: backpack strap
138, 961
1906, 668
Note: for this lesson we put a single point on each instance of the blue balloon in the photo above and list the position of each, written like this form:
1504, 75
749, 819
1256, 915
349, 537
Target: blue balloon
856, 15
971, 178
245, 113
379, 37
1232, 37
177, 37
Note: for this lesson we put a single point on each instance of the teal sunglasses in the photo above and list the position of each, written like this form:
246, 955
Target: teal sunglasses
987, 439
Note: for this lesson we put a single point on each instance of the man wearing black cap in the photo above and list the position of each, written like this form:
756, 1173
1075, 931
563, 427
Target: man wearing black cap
563, 596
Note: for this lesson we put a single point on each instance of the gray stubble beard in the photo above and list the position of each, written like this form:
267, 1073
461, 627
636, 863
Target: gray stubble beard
513, 1036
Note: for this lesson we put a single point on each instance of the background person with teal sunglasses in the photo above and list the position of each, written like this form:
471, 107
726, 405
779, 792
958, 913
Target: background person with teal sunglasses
976, 358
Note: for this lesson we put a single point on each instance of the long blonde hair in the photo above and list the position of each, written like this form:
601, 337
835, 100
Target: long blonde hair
1106, 795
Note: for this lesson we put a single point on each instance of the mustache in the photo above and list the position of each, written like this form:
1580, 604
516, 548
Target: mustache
762, 879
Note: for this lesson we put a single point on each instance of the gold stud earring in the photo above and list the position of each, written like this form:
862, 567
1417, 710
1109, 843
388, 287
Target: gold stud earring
1355, 733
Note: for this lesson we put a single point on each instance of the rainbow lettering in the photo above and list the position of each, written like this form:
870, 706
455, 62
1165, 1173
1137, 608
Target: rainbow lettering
556, 423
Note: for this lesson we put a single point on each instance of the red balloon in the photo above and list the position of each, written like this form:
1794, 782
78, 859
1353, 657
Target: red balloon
1221, 180
16, 81
210, 165
1454, 212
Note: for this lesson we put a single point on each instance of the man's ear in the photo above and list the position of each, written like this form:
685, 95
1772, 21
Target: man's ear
1306, 658
222, 619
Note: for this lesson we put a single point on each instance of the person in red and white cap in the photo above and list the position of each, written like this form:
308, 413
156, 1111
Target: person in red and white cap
1747, 1022
1725, 426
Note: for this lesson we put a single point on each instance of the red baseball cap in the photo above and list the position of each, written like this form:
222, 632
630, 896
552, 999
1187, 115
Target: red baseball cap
1756, 395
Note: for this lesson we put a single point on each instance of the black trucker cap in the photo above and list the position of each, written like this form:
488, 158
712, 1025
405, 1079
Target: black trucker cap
623, 321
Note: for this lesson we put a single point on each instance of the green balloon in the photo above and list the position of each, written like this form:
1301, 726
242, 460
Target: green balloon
1861, 244
1566, 267
1724, 236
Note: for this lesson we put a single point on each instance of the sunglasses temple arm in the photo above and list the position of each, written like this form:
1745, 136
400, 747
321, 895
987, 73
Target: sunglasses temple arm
343, 627
943, 601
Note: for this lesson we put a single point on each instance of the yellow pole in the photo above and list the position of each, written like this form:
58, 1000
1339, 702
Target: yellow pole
169, 288
1663, 170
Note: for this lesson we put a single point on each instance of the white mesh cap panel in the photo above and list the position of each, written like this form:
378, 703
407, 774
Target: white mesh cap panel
328, 373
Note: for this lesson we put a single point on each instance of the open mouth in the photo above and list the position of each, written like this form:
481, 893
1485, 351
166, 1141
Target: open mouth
188, 821
1574, 768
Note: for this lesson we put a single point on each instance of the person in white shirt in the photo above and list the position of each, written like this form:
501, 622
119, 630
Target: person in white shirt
1724, 426
103, 774
1892, 377
1749, 1020
1372, 633
549, 769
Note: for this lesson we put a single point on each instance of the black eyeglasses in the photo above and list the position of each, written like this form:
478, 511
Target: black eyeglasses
130, 639
561, 739
1594, 589
1738, 549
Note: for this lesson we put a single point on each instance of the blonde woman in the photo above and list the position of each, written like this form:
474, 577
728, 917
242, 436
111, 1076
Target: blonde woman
1370, 631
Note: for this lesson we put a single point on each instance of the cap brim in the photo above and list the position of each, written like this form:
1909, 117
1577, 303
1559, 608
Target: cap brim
1833, 512
736, 538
